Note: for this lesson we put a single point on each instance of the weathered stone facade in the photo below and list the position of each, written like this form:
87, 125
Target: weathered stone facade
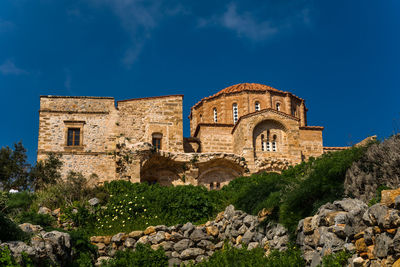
243, 129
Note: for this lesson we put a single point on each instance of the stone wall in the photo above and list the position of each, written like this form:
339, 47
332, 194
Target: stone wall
370, 234
185, 243
95, 117
215, 138
140, 118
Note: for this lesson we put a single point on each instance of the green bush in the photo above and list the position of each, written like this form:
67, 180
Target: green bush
135, 206
230, 256
9, 231
338, 259
44, 220
84, 252
142, 256
6, 259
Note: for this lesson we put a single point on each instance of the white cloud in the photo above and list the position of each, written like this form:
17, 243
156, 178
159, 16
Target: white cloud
9, 68
246, 24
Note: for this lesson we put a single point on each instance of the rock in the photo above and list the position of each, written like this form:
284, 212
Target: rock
205, 244
130, 242
149, 230
157, 238
44, 210
200, 258
102, 259
166, 245
187, 229
397, 263
56, 212
388, 197
191, 253
30, 228
198, 235
396, 242
252, 245
212, 230
136, 234
174, 262
382, 244
243, 229
161, 228
247, 237
142, 240
118, 238
358, 262
249, 220
94, 201
229, 212
361, 246
397, 203
182, 245
350, 247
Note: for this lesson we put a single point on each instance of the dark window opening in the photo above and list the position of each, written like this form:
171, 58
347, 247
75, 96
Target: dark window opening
211, 186
156, 141
73, 138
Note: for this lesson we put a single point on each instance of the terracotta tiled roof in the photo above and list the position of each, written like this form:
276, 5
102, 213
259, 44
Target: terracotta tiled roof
239, 88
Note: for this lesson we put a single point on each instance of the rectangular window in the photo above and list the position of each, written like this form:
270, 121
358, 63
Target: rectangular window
73, 138
268, 146
157, 143
274, 146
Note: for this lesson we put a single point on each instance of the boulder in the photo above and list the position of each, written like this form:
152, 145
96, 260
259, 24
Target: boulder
30, 228
44, 210
388, 197
94, 201
182, 245
191, 253
198, 234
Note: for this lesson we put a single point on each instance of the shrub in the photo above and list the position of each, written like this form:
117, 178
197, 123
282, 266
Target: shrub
9, 231
338, 259
136, 206
46, 172
44, 220
142, 256
230, 256
84, 252
6, 259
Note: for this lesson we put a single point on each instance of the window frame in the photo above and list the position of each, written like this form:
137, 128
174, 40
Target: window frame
77, 125
156, 140
215, 114
235, 113
257, 106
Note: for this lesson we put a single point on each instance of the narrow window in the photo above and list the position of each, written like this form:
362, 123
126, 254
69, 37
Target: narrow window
73, 138
274, 143
268, 146
215, 115
257, 106
294, 111
278, 106
262, 143
235, 113
156, 140
218, 185
211, 186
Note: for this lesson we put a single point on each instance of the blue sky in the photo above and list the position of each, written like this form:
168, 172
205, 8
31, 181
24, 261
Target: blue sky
341, 56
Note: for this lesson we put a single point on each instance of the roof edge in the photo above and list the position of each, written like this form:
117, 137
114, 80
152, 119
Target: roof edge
149, 97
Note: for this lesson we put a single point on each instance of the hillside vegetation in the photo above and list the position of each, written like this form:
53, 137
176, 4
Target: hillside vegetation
288, 197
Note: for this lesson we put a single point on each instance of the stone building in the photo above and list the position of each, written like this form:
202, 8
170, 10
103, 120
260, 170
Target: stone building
243, 129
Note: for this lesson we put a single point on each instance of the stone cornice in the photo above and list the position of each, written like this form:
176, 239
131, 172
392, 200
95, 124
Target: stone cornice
264, 111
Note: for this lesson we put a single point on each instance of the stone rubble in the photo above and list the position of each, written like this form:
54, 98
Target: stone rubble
371, 234
185, 243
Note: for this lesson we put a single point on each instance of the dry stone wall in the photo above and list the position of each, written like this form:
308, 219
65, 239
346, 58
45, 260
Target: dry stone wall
185, 243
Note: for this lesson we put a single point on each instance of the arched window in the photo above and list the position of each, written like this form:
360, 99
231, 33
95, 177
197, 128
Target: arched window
211, 186
294, 111
257, 106
156, 140
215, 114
235, 113
218, 185
274, 143
263, 144
278, 106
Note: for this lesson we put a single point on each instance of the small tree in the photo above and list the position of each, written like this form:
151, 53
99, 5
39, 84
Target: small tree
46, 172
13, 167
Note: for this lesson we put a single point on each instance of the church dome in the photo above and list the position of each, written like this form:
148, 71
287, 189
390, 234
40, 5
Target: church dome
240, 87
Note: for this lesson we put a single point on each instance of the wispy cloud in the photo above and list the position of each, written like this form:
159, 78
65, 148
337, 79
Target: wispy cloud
139, 18
247, 24
9, 68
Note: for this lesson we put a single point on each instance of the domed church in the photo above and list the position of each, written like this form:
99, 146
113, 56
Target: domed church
243, 129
